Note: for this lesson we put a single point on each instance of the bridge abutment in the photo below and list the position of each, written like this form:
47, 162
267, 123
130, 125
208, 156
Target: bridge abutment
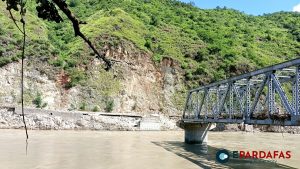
195, 133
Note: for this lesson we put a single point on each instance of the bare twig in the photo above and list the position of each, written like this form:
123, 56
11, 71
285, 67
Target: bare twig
64, 8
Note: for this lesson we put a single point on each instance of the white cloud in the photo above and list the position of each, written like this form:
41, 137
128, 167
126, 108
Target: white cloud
296, 8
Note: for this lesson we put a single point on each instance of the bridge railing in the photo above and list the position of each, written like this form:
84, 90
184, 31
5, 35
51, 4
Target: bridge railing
267, 96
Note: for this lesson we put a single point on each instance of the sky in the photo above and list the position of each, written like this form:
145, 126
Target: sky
253, 7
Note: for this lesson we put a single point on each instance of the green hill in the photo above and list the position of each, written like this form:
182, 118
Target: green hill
208, 44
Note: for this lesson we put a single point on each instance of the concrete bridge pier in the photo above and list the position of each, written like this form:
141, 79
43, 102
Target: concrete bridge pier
195, 133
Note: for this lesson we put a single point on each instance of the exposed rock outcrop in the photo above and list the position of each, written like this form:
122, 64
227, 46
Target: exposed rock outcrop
145, 86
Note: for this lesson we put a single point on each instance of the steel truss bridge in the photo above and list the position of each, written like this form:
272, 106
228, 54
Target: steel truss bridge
269, 96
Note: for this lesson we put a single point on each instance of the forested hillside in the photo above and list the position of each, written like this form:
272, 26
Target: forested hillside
208, 45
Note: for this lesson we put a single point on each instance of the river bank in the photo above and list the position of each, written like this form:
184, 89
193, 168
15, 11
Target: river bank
38, 119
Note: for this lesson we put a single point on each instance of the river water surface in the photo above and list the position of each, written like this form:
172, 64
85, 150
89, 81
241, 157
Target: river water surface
137, 150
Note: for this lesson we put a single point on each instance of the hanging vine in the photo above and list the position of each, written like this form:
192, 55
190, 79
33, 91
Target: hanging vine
22, 13
19, 5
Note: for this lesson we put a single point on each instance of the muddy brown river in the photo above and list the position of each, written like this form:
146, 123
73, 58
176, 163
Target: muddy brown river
138, 150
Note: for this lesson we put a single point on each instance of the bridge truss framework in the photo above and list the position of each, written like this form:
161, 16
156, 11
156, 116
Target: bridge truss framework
269, 96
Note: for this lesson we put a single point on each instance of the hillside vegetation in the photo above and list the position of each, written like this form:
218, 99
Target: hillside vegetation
209, 45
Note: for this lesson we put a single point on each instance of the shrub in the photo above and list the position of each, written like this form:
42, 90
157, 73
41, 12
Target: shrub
76, 77
155, 21
95, 109
4, 61
109, 105
82, 107
38, 101
148, 44
184, 65
201, 54
73, 3
188, 75
157, 58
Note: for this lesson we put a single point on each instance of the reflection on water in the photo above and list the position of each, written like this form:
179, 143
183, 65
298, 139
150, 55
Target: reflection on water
135, 150
205, 157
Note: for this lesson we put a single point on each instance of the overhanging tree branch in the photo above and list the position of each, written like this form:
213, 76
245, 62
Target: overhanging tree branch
76, 26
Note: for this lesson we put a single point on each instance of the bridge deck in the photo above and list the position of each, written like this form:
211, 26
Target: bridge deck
267, 96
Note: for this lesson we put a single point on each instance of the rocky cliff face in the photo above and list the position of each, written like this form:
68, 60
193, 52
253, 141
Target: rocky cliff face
137, 84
